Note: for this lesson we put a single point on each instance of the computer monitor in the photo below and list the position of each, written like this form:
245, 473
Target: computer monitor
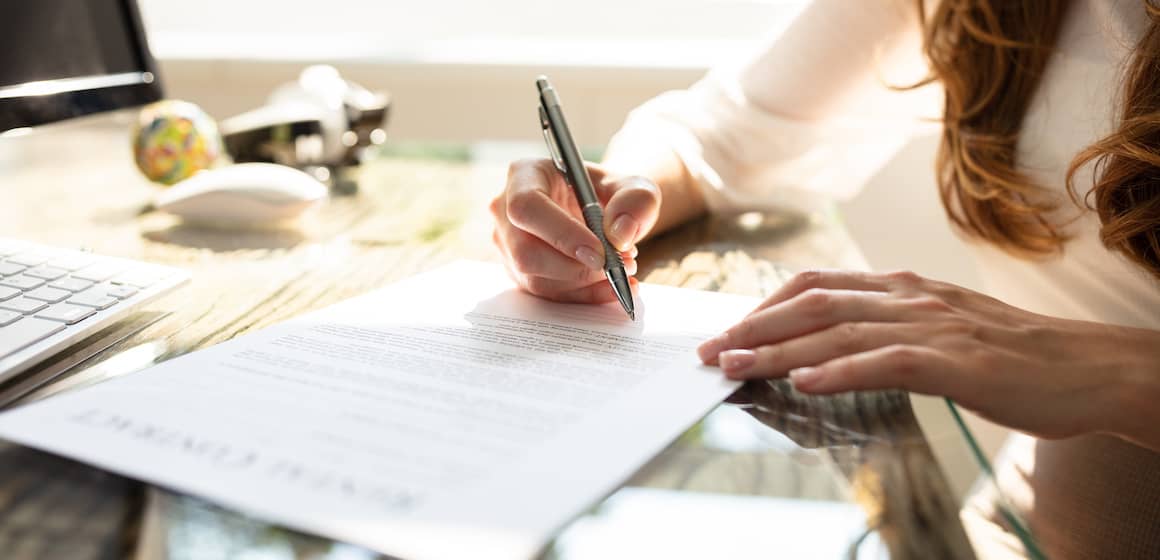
67, 58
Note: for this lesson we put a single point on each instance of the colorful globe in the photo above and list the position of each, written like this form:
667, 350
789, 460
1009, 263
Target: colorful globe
173, 140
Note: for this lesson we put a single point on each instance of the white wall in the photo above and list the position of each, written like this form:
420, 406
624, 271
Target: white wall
443, 102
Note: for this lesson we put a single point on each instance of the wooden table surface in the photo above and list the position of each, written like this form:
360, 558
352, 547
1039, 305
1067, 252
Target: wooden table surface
79, 189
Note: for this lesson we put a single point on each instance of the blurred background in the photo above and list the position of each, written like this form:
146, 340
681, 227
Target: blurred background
606, 56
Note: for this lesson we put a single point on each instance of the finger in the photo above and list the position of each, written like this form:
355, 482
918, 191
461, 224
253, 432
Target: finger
629, 260
561, 291
776, 360
825, 280
531, 256
597, 292
631, 211
530, 208
911, 368
808, 312
548, 264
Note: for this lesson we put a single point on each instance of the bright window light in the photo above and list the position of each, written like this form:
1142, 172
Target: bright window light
595, 32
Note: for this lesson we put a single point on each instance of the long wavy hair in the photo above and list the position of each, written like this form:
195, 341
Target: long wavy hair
989, 56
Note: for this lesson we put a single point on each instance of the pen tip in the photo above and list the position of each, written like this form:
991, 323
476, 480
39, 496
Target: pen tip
632, 315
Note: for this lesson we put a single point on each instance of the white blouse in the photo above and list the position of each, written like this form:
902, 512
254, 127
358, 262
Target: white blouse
811, 114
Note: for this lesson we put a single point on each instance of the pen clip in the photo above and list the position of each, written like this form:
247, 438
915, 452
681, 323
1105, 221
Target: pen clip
546, 128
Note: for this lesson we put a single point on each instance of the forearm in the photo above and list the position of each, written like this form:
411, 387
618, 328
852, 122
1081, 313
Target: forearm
681, 198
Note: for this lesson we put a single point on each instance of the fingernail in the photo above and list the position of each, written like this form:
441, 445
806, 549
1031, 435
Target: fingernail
709, 349
804, 377
590, 257
736, 361
623, 231
634, 252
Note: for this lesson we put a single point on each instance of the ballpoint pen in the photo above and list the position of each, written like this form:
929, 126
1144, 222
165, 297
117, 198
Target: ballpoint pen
571, 165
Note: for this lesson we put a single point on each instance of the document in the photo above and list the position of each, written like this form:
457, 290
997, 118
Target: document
446, 416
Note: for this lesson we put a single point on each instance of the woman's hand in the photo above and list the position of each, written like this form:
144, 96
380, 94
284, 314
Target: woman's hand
547, 248
836, 331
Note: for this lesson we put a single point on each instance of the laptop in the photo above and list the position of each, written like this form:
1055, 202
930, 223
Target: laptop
59, 60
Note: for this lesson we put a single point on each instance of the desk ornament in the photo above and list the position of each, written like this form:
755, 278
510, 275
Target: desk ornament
174, 139
320, 123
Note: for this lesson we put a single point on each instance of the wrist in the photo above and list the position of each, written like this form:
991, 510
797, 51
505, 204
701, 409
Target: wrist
1137, 396
680, 196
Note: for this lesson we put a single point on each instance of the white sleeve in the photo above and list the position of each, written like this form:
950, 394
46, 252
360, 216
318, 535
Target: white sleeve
811, 114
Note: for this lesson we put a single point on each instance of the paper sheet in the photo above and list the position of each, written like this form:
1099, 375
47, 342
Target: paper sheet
446, 416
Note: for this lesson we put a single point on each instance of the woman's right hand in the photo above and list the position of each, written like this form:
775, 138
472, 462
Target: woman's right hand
547, 248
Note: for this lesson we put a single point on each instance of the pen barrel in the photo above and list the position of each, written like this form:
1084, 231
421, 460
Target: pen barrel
594, 217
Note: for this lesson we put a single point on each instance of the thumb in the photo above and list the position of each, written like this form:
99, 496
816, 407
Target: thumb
631, 210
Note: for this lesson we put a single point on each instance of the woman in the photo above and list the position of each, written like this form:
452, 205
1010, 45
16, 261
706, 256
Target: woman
1049, 169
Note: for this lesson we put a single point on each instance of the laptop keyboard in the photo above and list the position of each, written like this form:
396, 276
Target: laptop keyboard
52, 295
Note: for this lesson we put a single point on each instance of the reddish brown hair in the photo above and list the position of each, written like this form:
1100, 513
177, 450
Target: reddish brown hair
989, 56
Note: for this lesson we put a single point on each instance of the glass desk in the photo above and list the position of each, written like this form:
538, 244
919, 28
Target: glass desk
770, 474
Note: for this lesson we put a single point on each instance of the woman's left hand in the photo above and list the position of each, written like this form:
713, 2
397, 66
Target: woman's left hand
835, 331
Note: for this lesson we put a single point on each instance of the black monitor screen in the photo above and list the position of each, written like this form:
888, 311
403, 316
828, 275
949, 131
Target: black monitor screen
53, 39
64, 58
